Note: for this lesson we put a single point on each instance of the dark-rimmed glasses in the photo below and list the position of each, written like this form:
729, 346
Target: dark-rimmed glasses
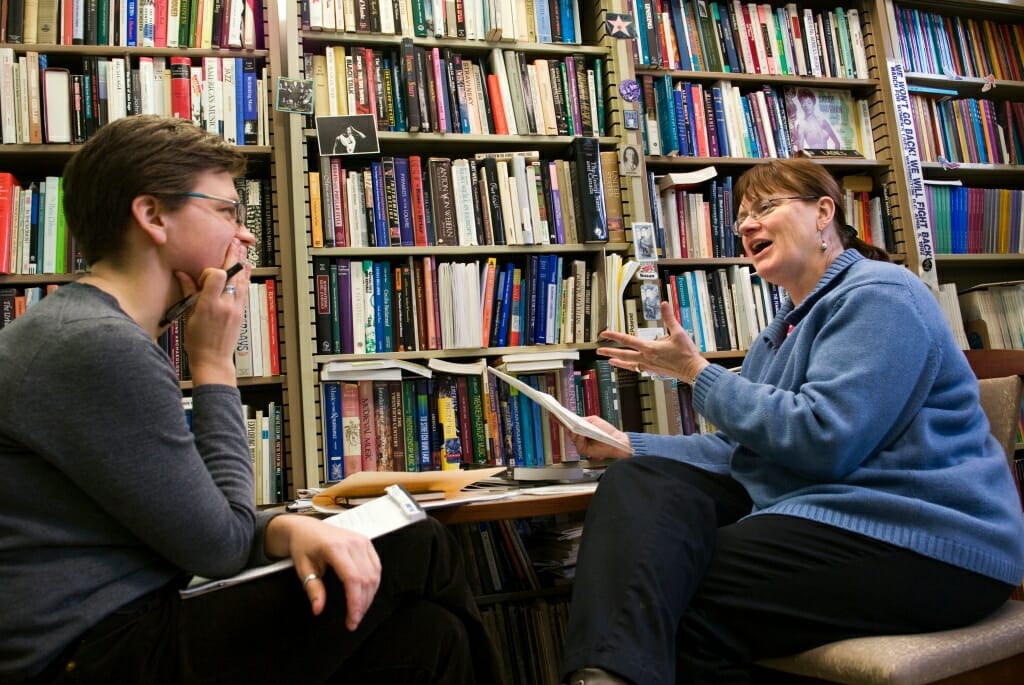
237, 204
763, 208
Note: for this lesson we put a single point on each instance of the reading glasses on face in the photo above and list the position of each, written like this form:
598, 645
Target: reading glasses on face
237, 204
763, 208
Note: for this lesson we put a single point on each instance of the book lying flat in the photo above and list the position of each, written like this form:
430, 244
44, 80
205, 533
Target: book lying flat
368, 483
391, 511
566, 417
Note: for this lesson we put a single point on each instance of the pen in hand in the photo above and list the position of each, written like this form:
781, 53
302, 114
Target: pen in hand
185, 303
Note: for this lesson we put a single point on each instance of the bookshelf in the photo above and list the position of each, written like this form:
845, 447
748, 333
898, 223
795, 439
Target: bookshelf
966, 82
305, 48
710, 92
32, 154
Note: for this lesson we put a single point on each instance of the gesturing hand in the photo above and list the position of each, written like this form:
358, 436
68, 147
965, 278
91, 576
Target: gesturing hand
674, 355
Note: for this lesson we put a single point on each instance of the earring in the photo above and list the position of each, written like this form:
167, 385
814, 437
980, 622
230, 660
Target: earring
824, 245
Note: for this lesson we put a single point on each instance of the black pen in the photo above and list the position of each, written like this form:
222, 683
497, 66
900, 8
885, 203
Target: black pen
185, 303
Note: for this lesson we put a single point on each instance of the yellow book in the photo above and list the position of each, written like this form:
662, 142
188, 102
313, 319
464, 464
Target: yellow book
316, 226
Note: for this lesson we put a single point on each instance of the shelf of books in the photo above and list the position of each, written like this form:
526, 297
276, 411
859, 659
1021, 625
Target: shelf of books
965, 80
719, 87
462, 208
63, 76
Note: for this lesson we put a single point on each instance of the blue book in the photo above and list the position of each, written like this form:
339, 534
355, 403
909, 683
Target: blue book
423, 424
680, 31
385, 316
718, 111
542, 14
685, 308
528, 287
500, 303
700, 335
506, 304
132, 29
680, 99
958, 219
640, 24
404, 187
250, 103
516, 425
664, 98
239, 101
541, 315
334, 457
724, 23
749, 134
556, 279
526, 428
567, 10
380, 216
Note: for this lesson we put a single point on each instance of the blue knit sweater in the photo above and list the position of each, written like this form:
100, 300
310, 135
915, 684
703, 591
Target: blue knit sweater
864, 416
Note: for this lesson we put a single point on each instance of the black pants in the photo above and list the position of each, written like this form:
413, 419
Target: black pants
423, 627
671, 588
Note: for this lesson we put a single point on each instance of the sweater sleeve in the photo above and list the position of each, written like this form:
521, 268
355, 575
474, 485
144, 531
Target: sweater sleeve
710, 451
125, 443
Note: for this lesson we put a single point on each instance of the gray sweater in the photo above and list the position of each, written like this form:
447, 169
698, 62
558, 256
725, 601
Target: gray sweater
106, 495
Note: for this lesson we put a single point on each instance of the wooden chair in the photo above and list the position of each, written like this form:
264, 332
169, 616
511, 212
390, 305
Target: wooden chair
989, 652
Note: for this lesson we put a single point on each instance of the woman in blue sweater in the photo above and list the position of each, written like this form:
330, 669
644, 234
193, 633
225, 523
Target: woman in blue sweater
852, 487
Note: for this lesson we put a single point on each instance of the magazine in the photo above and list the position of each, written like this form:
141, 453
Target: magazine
823, 119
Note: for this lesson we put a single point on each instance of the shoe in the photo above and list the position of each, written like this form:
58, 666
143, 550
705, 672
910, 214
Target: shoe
594, 676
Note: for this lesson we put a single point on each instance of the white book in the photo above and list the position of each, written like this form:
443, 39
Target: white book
236, 24
243, 348
369, 310
264, 328
255, 333
349, 10
793, 15
332, 83
329, 14
21, 100
462, 190
522, 205
811, 38
117, 103
668, 217
316, 14
358, 305
262, 125
197, 82
547, 103
509, 213
867, 136
146, 84
57, 109
8, 120
211, 95
173, 21
24, 262
438, 12
496, 60
49, 251
470, 74
161, 87
230, 102
387, 17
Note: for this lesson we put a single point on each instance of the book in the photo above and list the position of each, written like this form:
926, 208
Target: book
395, 509
563, 415
822, 118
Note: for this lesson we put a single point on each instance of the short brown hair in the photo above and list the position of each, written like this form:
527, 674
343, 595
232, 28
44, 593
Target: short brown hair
132, 156
797, 176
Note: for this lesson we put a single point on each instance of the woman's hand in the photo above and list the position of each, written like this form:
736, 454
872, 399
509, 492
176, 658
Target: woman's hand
212, 328
675, 356
315, 547
600, 450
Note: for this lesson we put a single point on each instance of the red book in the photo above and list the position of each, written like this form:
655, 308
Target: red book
272, 337
465, 429
487, 310
159, 23
497, 109
367, 427
419, 206
350, 428
181, 95
7, 185
338, 198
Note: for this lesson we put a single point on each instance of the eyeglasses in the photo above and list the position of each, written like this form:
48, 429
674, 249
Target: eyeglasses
763, 208
237, 204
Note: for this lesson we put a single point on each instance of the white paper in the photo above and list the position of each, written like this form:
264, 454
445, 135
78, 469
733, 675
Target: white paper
387, 513
564, 416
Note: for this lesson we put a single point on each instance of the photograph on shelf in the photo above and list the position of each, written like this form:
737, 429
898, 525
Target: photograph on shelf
294, 95
643, 242
629, 165
822, 119
650, 297
353, 134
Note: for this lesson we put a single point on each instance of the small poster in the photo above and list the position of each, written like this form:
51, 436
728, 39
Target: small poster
353, 134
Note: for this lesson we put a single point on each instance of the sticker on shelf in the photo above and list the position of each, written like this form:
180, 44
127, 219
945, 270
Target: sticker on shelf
619, 26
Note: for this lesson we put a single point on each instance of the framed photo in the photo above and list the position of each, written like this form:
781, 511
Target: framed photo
644, 247
650, 299
629, 162
294, 95
353, 134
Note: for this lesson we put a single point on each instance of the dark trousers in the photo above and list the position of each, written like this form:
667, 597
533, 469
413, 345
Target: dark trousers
423, 627
672, 587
